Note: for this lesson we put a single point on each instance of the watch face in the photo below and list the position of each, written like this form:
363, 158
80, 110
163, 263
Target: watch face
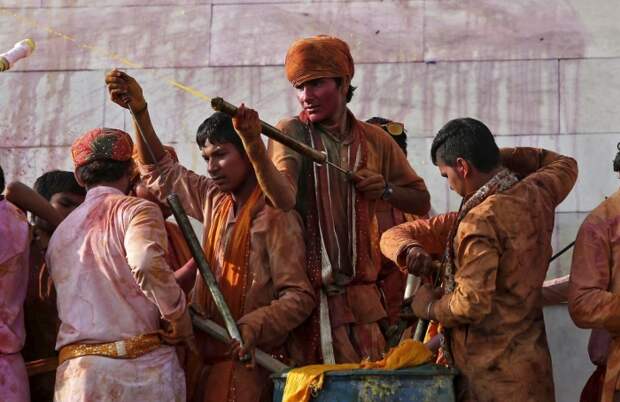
387, 193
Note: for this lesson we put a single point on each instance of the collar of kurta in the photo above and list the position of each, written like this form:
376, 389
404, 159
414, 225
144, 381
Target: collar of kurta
102, 190
254, 210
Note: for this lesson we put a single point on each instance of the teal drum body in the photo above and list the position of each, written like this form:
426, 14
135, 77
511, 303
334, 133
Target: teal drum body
427, 383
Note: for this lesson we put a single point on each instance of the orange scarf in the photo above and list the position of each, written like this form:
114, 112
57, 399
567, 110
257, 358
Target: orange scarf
232, 275
232, 281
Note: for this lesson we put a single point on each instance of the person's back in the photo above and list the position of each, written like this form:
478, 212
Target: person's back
87, 253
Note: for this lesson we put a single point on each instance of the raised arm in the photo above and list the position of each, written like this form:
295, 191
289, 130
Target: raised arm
125, 91
191, 188
277, 177
29, 200
554, 173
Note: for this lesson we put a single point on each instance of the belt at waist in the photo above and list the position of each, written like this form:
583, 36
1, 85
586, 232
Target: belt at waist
126, 349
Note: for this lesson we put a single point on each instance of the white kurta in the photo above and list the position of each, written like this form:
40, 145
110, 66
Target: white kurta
107, 261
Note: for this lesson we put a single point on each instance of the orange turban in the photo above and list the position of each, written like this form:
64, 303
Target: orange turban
320, 56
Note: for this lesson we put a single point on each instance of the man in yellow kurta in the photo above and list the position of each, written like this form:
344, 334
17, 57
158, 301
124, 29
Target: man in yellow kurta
343, 258
496, 252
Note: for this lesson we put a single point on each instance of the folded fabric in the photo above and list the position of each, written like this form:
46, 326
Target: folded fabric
303, 382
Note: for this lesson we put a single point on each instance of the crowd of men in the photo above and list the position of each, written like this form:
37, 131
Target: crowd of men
95, 291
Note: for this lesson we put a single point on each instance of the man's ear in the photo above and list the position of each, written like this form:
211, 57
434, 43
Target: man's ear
462, 167
344, 86
78, 179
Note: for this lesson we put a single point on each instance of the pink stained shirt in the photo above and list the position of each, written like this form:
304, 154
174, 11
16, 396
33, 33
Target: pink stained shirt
107, 261
14, 253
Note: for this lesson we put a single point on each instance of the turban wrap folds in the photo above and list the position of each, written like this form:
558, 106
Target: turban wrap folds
101, 144
316, 57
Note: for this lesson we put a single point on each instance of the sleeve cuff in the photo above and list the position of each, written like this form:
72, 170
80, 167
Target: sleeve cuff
443, 313
401, 254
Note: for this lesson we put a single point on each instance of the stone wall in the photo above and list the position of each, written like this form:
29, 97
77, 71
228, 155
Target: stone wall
539, 73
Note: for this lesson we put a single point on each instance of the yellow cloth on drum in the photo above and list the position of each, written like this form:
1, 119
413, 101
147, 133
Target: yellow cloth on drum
302, 382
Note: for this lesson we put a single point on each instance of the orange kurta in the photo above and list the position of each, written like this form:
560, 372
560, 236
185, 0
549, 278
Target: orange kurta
502, 249
594, 292
347, 283
277, 293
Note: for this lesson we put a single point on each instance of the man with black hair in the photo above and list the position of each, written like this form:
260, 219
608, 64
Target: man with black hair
342, 232
55, 195
496, 252
13, 284
256, 251
119, 304
395, 129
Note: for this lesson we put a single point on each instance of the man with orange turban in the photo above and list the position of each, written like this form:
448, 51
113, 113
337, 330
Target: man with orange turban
343, 258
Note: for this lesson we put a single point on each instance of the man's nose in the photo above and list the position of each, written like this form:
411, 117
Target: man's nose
306, 93
212, 166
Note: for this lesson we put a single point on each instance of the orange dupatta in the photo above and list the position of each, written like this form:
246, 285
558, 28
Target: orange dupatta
232, 280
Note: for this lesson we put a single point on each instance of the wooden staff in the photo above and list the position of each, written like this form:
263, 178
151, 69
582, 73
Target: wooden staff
217, 332
270, 131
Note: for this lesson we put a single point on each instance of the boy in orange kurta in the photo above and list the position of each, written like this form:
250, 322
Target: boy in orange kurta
496, 253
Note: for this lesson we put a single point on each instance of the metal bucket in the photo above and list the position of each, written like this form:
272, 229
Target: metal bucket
427, 383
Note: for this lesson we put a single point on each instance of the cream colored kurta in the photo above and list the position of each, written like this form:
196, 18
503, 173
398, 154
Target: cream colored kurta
107, 261
14, 246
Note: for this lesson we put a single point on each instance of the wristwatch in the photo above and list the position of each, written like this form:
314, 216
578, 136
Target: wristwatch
388, 190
